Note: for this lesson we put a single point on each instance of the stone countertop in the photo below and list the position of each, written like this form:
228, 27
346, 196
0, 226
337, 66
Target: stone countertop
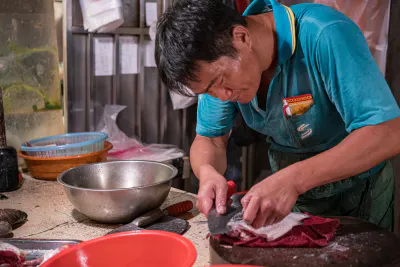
52, 216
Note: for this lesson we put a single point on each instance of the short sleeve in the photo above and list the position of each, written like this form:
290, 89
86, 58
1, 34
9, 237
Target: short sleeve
352, 79
214, 117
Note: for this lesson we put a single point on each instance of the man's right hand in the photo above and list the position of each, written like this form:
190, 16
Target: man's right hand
213, 187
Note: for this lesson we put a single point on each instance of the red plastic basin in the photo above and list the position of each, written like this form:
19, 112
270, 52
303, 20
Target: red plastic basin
234, 265
138, 249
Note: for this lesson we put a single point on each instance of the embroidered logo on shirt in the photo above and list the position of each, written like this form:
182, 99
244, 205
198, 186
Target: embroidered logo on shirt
304, 130
297, 105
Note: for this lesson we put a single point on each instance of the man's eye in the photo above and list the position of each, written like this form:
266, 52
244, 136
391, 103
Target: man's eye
211, 93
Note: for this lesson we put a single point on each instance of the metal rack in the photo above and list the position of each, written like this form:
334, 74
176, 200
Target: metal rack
86, 94
82, 87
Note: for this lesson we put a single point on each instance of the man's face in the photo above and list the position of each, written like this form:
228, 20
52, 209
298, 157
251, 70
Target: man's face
235, 79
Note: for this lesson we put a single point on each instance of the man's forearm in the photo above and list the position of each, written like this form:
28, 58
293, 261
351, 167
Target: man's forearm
208, 152
360, 151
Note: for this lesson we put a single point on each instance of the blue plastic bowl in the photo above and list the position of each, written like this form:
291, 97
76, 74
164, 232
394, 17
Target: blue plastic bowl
65, 145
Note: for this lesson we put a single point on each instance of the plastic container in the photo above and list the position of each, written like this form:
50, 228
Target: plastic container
50, 168
139, 249
29, 70
65, 145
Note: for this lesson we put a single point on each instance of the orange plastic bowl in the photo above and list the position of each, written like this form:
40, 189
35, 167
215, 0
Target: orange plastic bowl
50, 168
139, 249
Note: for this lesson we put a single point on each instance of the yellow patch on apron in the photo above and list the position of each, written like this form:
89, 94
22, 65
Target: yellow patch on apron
297, 105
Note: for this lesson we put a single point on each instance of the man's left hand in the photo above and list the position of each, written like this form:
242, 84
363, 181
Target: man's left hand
271, 200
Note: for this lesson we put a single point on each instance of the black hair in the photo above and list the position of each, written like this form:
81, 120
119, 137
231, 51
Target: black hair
191, 31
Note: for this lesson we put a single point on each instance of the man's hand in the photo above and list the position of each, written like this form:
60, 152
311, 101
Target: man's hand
213, 187
271, 200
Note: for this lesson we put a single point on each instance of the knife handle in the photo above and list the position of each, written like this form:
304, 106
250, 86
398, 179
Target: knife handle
148, 218
231, 189
180, 208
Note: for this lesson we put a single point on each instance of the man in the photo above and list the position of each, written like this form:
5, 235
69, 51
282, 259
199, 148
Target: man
304, 77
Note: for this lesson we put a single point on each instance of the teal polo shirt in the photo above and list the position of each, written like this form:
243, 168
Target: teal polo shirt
324, 56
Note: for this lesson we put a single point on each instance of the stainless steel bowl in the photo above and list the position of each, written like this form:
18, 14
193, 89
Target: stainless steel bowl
117, 191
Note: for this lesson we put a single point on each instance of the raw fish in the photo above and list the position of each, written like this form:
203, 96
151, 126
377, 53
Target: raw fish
240, 229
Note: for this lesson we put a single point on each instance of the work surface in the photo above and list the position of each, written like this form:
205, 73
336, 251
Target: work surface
357, 243
52, 216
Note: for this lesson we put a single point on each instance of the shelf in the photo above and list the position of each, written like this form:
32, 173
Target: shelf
121, 31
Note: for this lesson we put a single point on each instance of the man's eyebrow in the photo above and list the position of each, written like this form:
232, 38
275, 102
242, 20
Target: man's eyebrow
209, 86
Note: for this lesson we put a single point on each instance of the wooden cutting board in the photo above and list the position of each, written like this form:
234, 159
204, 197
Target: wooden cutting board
357, 243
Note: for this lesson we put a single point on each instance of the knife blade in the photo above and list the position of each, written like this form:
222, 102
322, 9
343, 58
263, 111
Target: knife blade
166, 223
217, 223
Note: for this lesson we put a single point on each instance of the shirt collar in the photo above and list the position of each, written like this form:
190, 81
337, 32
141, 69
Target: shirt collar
285, 25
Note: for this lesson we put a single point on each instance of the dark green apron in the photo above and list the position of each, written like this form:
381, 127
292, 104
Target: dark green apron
368, 197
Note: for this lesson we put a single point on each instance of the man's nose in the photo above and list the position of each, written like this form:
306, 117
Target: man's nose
223, 94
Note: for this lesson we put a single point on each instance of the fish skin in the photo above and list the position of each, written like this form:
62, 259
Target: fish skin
8, 218
5, 228
12, 216
240, 229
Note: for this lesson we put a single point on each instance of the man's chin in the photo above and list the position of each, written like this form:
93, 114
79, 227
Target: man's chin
243, 101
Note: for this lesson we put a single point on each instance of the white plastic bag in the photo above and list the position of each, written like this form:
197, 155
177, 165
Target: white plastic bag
371, 16
126, 148
181, 101
102, 15
178, 101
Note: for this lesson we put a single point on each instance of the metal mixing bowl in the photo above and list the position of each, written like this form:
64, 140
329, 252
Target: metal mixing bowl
117, 191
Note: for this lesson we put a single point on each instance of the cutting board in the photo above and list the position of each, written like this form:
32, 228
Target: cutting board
357, 243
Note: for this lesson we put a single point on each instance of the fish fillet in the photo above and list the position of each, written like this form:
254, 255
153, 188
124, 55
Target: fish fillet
238, 228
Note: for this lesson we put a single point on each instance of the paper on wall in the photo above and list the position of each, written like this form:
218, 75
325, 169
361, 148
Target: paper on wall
149, 60
103, 56
151, 13
128, 54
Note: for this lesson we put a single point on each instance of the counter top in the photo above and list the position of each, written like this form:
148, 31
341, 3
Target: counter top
52, 216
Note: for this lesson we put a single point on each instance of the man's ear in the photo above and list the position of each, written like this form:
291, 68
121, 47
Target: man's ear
240, 37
